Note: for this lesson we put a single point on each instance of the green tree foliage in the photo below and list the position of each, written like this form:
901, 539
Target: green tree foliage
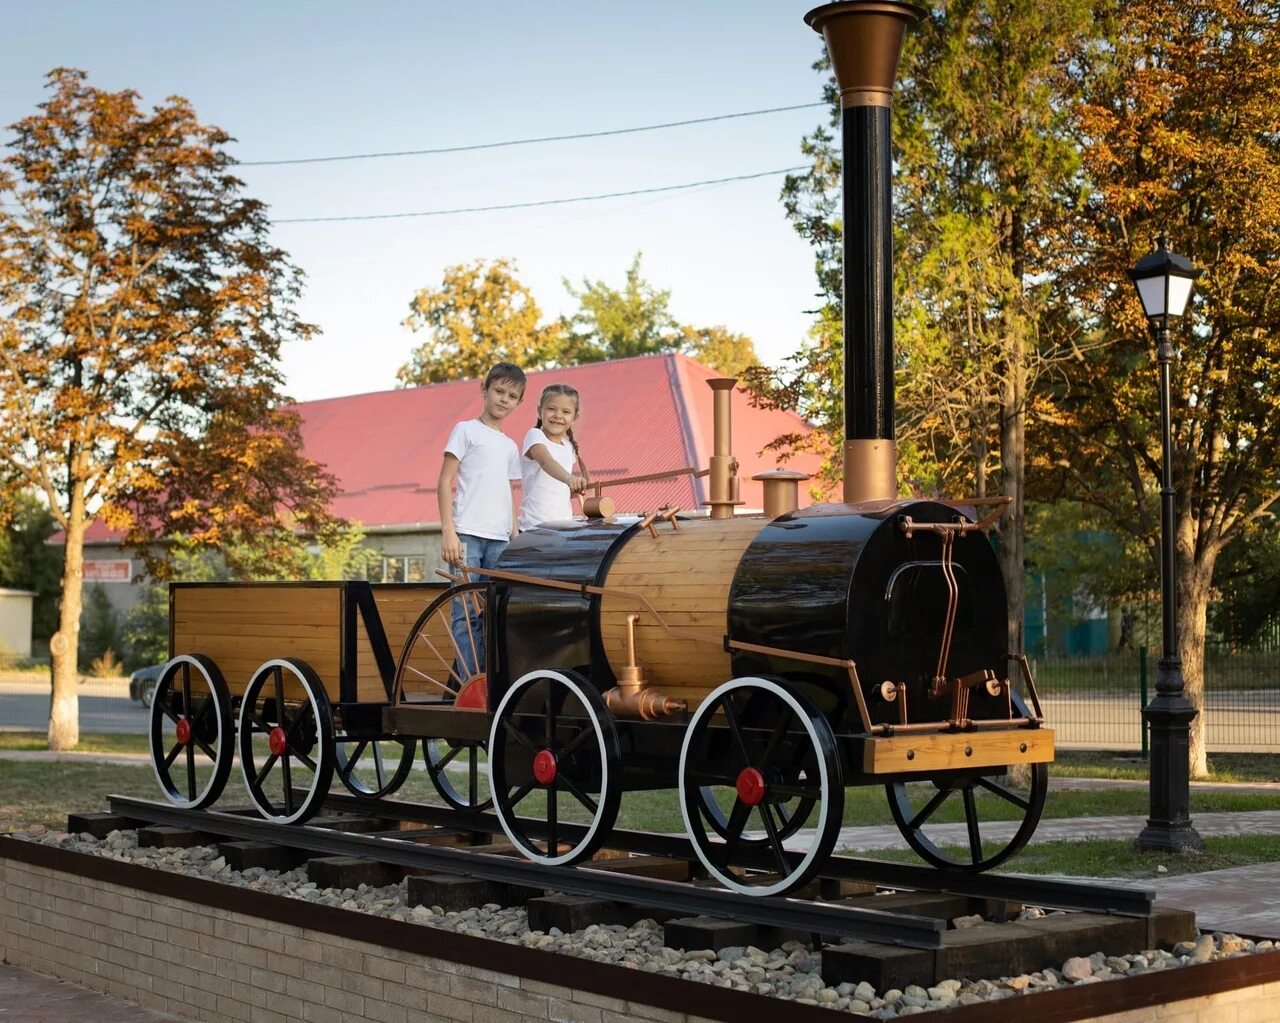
723, 350
984, 160
1179, 117
142, 311
618, 323
480, 314
145, 629
28, 562
100, 626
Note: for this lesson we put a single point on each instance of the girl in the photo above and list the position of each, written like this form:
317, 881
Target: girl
549, 451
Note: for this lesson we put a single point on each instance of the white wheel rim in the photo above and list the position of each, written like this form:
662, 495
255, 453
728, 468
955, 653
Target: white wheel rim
824, 786
322, 744
495, 736
158, 711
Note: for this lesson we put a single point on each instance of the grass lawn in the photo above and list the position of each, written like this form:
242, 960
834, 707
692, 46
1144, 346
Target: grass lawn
44, 792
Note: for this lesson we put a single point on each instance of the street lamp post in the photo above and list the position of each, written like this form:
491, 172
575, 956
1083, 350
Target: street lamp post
1164, 281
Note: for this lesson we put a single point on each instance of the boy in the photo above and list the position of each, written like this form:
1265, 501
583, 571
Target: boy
476, 528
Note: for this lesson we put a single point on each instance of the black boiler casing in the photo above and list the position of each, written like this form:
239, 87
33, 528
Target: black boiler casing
845, 582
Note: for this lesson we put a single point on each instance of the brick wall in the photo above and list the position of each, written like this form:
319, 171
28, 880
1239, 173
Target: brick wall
209, 964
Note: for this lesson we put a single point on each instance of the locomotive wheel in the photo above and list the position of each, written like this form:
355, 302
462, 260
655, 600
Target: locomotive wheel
191, 737
374, 767
438, 667
1013, 803
286, 743
553, 734
754, 745
434, 668
457, 770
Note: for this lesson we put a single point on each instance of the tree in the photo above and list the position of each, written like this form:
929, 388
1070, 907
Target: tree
28, 562
614, 323
480, 314
142, 310
721, 349
983, 159
100, 631
1180, 123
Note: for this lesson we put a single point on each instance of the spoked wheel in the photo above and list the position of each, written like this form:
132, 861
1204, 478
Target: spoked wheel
754, 748
191, 738
374, 767
1010, 804
443, 662
717, 804
552, 735
286, 741
459, 771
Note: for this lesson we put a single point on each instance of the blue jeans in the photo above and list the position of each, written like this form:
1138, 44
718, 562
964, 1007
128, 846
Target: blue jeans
467, 623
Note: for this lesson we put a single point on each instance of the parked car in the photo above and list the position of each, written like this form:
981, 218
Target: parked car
142, 683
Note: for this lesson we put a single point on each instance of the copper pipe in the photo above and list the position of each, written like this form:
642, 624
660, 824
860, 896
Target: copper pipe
724, 467
632, 696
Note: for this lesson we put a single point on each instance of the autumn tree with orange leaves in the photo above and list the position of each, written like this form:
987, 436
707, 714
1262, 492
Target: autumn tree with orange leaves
142, 312
1179, 119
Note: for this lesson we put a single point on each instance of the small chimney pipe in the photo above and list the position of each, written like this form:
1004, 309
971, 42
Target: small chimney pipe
864, 39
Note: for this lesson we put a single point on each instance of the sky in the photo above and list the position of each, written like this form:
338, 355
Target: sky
291, 80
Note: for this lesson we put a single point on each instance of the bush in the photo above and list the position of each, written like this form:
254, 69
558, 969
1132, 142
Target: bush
106, 666
146, 629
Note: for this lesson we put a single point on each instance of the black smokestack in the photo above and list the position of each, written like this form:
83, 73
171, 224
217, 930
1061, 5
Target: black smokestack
864, 38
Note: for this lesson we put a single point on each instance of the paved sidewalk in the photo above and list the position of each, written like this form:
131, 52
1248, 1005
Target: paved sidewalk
27, 997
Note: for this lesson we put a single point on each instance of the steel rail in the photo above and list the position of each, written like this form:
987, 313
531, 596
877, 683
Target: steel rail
1037, 891
816, 918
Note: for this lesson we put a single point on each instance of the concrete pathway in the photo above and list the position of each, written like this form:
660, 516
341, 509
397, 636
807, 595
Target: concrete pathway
27, 997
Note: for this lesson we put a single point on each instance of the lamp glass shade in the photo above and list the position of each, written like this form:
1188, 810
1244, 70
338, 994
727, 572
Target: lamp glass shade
1179, 293
1151, 291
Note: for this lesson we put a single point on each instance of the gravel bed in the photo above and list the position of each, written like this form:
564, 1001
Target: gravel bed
793, 971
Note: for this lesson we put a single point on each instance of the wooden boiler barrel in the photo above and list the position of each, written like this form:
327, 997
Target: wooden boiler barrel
686, 574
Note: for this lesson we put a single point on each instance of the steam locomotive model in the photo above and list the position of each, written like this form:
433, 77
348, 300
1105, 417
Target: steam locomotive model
756, 663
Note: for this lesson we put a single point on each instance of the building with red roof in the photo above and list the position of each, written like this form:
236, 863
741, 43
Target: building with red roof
639, 416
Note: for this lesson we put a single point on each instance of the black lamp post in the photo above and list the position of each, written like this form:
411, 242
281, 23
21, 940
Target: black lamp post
1164, 282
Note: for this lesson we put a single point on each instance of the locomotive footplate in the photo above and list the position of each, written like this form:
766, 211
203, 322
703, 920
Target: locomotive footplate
928, 752
437, 721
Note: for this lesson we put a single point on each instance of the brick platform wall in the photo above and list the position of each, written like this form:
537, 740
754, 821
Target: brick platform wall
209, 963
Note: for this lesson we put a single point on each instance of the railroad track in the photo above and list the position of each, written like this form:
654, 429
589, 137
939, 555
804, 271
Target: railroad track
829, 921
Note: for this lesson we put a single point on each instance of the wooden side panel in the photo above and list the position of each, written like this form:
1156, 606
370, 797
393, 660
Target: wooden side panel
929, 752
241, 626
399, 607
686, 575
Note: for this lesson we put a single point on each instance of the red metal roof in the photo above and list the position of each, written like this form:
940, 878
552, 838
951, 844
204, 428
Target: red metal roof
639, 416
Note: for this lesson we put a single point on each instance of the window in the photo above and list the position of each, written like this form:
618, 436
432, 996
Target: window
408, 568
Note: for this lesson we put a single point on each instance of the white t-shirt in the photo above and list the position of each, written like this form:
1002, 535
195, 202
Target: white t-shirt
544, 498
488, 461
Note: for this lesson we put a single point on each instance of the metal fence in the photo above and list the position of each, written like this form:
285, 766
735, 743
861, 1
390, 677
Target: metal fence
1091, 702
1096, 702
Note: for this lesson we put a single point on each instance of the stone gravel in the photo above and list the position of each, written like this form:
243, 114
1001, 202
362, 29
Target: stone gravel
793, 971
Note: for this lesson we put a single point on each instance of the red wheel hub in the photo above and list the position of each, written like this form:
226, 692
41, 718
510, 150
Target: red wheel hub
277, 742
183, 731
544, 767
751, 786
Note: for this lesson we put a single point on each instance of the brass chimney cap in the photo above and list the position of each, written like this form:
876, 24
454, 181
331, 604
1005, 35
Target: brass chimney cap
864, 38
781, 474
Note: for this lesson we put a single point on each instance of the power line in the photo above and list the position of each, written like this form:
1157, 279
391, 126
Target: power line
525, 142
539, 202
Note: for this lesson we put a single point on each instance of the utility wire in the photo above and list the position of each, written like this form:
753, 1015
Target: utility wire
539, 202
524, 142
